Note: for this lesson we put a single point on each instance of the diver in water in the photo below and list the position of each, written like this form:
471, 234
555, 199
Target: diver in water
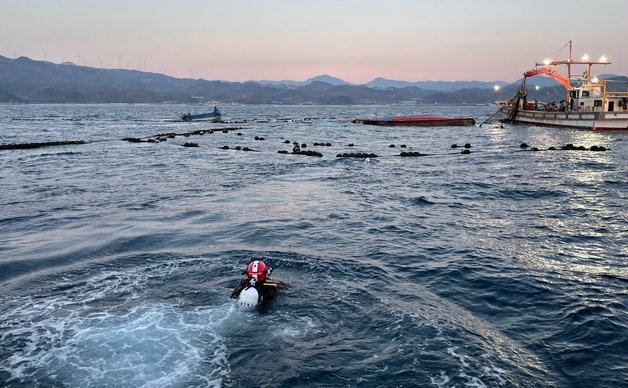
257, 288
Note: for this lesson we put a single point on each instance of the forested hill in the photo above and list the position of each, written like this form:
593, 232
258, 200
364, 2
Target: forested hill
24, 80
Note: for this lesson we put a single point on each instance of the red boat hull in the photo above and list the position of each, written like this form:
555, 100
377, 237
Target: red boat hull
419, 121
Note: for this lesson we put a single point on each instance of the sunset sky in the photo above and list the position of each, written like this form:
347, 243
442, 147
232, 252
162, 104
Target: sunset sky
357, 41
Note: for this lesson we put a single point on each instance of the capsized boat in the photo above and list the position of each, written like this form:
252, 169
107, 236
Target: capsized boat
213, 116
591, 103
419, 121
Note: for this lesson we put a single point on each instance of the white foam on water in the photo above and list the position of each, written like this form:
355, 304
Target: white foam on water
452, 352
120, 340
495, 372
472, 381
441, 381
297, 327
149, 346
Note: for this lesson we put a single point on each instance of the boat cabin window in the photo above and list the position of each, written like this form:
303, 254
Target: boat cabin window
597, 103
575, 94
585, 93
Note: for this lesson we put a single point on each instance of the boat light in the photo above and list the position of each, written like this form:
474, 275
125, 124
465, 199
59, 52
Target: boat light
585, 57
595, 79
603, 58
497, 87
537, 87
547, 61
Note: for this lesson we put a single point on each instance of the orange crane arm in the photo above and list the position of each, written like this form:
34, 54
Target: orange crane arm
552, 73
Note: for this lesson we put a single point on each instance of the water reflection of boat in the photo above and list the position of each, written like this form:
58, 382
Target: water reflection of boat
213, 116
591, 103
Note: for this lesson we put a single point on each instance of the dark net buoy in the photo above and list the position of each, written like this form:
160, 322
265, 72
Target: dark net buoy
23, 146
357, 155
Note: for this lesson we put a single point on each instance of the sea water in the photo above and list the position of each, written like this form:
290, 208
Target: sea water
502, 267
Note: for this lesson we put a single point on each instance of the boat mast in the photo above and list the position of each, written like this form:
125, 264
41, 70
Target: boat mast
548, 63
569, 64
569, 76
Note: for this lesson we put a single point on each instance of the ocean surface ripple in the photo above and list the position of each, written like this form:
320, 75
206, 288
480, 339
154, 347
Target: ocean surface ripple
500, 268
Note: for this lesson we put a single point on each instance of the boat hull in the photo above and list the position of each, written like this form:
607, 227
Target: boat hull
595, 121
213, 116
419, 121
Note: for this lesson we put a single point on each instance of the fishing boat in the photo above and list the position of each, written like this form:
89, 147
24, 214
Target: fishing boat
590, 103
212, 116
419, 121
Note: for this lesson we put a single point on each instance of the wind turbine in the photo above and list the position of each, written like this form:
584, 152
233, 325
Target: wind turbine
120, 60
143, 63
78, 58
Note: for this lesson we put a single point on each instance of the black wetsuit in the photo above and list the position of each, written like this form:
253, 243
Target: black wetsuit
266, 289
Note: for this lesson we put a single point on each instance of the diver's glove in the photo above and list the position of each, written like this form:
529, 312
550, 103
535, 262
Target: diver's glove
269, 271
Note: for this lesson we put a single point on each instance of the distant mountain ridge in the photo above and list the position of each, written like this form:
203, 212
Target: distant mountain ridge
24, 80
383, 83
320, 78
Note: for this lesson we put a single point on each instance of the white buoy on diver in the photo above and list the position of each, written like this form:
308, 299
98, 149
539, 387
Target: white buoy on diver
248, 298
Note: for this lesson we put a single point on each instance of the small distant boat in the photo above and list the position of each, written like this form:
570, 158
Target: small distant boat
419, 121
213, 116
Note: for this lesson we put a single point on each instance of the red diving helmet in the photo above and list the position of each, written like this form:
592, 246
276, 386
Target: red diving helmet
257, 270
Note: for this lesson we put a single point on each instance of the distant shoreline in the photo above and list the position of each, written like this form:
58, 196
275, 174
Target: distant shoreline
225, 104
